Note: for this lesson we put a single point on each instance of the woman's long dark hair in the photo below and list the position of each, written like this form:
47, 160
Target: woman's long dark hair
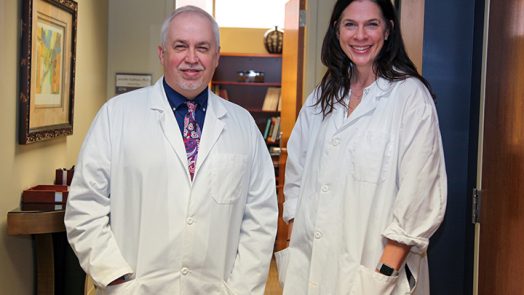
392, 62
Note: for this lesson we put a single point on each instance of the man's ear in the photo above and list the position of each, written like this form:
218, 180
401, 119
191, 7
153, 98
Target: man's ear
218, 57
160, 52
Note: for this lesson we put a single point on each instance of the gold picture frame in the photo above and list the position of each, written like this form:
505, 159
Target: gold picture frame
47, 69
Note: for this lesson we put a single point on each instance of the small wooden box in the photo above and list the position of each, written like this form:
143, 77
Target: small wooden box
64, 176
45, 194
42, 207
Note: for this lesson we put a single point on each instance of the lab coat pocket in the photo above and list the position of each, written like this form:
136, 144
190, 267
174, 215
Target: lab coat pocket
370, 282
126, 288
371, 156
228, 172
282, 261
413, 270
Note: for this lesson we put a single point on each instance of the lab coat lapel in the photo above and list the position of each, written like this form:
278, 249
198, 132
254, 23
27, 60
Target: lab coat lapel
213, 127
367, 105
372, 95
168, 123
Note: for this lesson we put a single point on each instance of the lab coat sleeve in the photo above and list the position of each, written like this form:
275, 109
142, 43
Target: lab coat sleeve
421, 199
88, 207
259, 225
297, 146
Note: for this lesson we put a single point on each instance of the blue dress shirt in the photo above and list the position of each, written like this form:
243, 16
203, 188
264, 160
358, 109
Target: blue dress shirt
178, 104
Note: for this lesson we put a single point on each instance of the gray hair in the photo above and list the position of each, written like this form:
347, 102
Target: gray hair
189, 9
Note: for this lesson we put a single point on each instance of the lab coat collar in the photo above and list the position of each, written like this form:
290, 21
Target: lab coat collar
372, 95
213, 126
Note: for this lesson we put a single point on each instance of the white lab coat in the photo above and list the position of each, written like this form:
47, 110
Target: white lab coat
132, 207
353, 182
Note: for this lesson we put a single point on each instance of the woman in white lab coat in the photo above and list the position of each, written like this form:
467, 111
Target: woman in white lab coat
365, 178
139, 219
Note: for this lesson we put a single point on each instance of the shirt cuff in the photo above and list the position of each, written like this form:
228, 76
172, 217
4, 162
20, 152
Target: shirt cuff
396, 233
290, 209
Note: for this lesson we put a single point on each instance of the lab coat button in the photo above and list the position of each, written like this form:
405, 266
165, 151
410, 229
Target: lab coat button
184, 270
335, 141
318, 235
189, 220
324, 188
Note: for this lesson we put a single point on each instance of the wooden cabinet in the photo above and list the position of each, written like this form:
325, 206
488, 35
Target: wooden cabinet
236, 79
232, 81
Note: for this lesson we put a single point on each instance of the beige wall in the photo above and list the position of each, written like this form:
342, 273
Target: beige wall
134, 35
242, 40
23, 166
317, 18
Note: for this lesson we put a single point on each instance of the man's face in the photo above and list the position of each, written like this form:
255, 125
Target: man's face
190, 54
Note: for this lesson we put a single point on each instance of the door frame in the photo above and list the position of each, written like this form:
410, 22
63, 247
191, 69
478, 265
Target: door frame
476, 245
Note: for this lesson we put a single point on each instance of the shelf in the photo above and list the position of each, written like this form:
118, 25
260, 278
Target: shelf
236, 54
264, 84
259, 111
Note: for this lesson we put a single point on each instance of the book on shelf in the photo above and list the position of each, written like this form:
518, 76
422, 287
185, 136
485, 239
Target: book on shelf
266, 130
220, 91
271, 99
223, 93
272, 130
271, 127
215, 89
276, 130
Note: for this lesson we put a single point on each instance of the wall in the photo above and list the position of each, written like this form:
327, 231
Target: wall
242, 40
317, 21
134, 35
23, 166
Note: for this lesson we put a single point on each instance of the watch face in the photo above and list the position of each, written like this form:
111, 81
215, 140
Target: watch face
386, 270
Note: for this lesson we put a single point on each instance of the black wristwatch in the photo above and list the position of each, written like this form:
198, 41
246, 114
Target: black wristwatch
387, 270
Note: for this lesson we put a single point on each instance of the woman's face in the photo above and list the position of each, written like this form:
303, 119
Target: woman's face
361, 33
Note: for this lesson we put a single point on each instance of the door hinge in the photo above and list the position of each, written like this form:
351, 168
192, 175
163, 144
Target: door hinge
302, 18
475, 206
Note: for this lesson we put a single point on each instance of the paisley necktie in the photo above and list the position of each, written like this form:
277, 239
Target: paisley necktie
191, 137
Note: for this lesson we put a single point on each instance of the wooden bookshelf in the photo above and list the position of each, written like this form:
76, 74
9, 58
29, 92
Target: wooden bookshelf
248, 94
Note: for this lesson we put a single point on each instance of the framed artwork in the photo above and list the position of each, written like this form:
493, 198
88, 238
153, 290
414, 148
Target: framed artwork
47, 69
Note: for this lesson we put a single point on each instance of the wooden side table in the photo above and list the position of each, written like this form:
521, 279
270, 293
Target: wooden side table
40, 223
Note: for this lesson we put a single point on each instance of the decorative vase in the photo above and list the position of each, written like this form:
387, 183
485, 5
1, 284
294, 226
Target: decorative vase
273, 40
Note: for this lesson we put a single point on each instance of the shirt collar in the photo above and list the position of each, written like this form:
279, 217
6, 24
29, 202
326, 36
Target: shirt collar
176, 99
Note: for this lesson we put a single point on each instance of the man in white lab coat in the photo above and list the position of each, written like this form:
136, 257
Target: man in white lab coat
146, 217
